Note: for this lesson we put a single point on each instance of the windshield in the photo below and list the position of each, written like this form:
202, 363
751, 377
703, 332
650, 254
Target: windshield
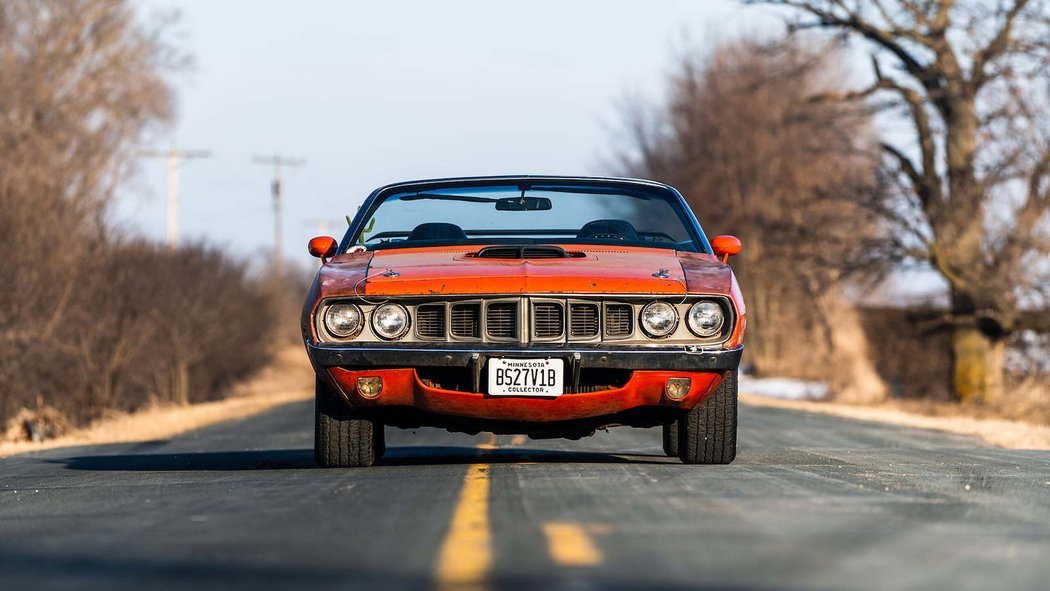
532, 214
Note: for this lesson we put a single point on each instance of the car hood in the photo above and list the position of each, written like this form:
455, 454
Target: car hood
449, 271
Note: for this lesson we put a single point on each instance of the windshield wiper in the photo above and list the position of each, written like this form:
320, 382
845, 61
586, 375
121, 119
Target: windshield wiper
443, 197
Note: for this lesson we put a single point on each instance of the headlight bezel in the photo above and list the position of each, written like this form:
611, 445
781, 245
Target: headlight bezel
336, 334
722, 318
657, 334
401, 331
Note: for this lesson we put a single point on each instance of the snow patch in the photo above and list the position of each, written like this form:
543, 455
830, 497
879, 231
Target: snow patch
784, 388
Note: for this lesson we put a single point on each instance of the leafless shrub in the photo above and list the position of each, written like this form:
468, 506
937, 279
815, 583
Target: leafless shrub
147, 326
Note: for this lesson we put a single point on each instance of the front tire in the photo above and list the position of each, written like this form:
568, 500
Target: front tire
707, 434
343, 438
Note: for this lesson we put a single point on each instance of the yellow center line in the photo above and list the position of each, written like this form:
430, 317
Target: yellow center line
465, 557
570, 545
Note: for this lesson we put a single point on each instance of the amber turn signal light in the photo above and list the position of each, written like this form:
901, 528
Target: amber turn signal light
370, 387
677, 388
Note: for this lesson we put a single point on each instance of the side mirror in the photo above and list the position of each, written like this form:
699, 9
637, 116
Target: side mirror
725, 247
323, 247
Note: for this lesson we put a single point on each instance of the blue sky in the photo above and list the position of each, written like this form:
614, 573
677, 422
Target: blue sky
371, 93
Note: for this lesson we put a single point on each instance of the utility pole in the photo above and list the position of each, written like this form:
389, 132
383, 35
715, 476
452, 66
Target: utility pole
174, 156
275, 191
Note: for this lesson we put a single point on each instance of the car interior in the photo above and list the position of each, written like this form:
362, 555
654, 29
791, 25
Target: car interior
603, 231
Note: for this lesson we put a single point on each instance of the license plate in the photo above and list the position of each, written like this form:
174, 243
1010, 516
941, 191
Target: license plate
526, 377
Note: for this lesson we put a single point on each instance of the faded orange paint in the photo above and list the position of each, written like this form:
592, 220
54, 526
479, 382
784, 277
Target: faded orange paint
402, 387
448, 271
602, 270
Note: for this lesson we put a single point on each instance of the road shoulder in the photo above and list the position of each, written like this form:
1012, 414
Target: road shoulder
288, 379
999, 432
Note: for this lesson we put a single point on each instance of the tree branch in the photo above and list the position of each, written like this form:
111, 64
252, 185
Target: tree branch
996, 46
852, 20
919, 182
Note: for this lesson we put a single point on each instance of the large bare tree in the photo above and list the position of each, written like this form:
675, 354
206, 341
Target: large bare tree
89, 320
972, 168
756, 157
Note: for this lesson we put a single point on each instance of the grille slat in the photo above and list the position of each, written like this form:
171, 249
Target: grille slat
548, 319
583, 320
619, 320
501, 320
430, 321
466, 321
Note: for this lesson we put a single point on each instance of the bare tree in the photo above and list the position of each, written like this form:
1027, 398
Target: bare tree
970, 77
756, 157
90, 321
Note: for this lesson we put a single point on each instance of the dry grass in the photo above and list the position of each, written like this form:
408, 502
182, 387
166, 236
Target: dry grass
950, 418
288, 379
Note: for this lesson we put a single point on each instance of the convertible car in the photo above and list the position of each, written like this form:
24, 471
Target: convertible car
546, 306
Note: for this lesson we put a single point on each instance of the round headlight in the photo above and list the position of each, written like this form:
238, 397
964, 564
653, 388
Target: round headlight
659, 319
343, 320
706, 319
390, 321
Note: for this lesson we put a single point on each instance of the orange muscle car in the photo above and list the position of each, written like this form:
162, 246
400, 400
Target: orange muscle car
547, 306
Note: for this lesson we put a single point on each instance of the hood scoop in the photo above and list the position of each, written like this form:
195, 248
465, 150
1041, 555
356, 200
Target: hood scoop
524, 252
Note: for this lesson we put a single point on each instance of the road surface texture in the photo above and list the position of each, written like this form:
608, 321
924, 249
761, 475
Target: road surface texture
811, 502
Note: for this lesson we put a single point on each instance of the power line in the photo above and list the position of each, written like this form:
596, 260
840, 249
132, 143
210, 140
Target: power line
174, 155
275, 191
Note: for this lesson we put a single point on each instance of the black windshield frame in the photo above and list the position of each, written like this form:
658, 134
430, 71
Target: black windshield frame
637, 188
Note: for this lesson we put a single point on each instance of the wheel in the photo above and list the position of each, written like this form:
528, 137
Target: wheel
671, 439
342, 439
707, 434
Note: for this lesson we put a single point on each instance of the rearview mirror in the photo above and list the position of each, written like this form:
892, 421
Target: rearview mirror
523, 204
725, 247
323, 247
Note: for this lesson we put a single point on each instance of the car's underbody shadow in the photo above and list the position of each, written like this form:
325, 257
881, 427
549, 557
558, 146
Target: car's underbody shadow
278, 459
422, 455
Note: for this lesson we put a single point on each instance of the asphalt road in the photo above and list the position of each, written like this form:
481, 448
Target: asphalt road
811, 502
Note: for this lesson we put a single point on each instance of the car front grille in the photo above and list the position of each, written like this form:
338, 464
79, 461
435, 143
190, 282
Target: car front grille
430, 321
466, 321
548, 320
542, 319
501, 320
583, 320
619, 319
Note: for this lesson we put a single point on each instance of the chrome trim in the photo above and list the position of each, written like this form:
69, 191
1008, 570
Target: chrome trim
445, 314
634, 358
561, 303
631, 317
681, 336
485, 320
597, 338
481, 322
